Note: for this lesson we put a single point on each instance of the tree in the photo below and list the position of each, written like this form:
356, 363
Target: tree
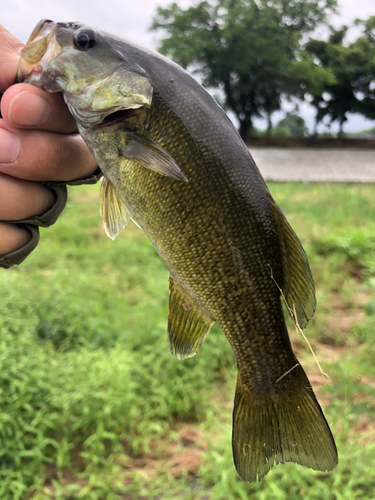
247, 48
353, 69
365, 79
291, 125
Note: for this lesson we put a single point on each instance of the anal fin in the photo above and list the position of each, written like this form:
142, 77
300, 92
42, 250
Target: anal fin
188, 325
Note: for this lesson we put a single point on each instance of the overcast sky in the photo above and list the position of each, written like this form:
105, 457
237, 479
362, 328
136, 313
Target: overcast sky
131, 19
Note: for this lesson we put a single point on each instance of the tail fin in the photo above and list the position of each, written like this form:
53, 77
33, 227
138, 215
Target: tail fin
283, 427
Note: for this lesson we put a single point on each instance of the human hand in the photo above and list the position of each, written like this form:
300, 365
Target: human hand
37, 143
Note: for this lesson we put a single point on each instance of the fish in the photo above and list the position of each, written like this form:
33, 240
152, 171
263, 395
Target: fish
174, 163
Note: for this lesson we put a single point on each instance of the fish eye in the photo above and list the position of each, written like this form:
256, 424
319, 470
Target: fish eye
84, 40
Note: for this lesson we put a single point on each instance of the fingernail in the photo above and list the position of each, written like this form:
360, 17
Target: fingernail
29, 109
9, 146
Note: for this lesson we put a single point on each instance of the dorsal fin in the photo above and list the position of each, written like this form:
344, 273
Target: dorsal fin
299, 287
113, 210
188, 325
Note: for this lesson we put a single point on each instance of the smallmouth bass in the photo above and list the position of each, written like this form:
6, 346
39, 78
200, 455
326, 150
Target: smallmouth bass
174, 164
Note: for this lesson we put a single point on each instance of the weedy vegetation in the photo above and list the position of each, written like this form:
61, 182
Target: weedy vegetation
92, 404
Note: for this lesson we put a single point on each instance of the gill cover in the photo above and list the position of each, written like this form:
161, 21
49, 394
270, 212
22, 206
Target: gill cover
121, 90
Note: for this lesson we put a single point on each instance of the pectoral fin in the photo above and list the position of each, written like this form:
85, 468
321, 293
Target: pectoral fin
113, 211
188, 325
152, 156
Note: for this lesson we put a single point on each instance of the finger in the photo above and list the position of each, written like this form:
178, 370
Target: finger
26, 106
12, 237
9, 56
20, 200
44, 156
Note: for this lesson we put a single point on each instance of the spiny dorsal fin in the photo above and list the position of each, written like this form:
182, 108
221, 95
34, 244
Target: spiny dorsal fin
298, 281
188, 325
113, 211
152, 156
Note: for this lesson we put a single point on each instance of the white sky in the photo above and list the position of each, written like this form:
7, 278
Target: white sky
131, 19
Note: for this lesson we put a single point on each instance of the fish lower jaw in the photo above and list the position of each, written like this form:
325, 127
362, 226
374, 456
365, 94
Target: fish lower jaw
36, 76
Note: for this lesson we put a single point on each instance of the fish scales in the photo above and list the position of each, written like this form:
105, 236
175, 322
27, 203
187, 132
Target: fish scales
174, 163
220, 245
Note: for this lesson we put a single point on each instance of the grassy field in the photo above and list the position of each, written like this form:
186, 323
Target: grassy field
93, 405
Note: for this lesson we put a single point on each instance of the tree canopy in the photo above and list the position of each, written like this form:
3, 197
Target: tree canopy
291, 125
353, 69
250, 49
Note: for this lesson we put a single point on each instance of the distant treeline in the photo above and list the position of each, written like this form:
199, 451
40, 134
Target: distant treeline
259, 52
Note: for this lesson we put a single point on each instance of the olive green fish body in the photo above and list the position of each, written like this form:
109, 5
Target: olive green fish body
220, 246
174, 163
216, 233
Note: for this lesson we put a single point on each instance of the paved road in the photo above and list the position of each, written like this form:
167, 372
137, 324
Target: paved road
315, 165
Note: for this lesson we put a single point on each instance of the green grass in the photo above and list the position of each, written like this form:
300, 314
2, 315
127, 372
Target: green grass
88, 386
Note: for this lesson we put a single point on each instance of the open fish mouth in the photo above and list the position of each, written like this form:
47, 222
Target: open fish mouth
41, 48
41, 31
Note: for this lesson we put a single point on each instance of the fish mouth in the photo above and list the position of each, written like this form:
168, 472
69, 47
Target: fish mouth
41, 31
40, 49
